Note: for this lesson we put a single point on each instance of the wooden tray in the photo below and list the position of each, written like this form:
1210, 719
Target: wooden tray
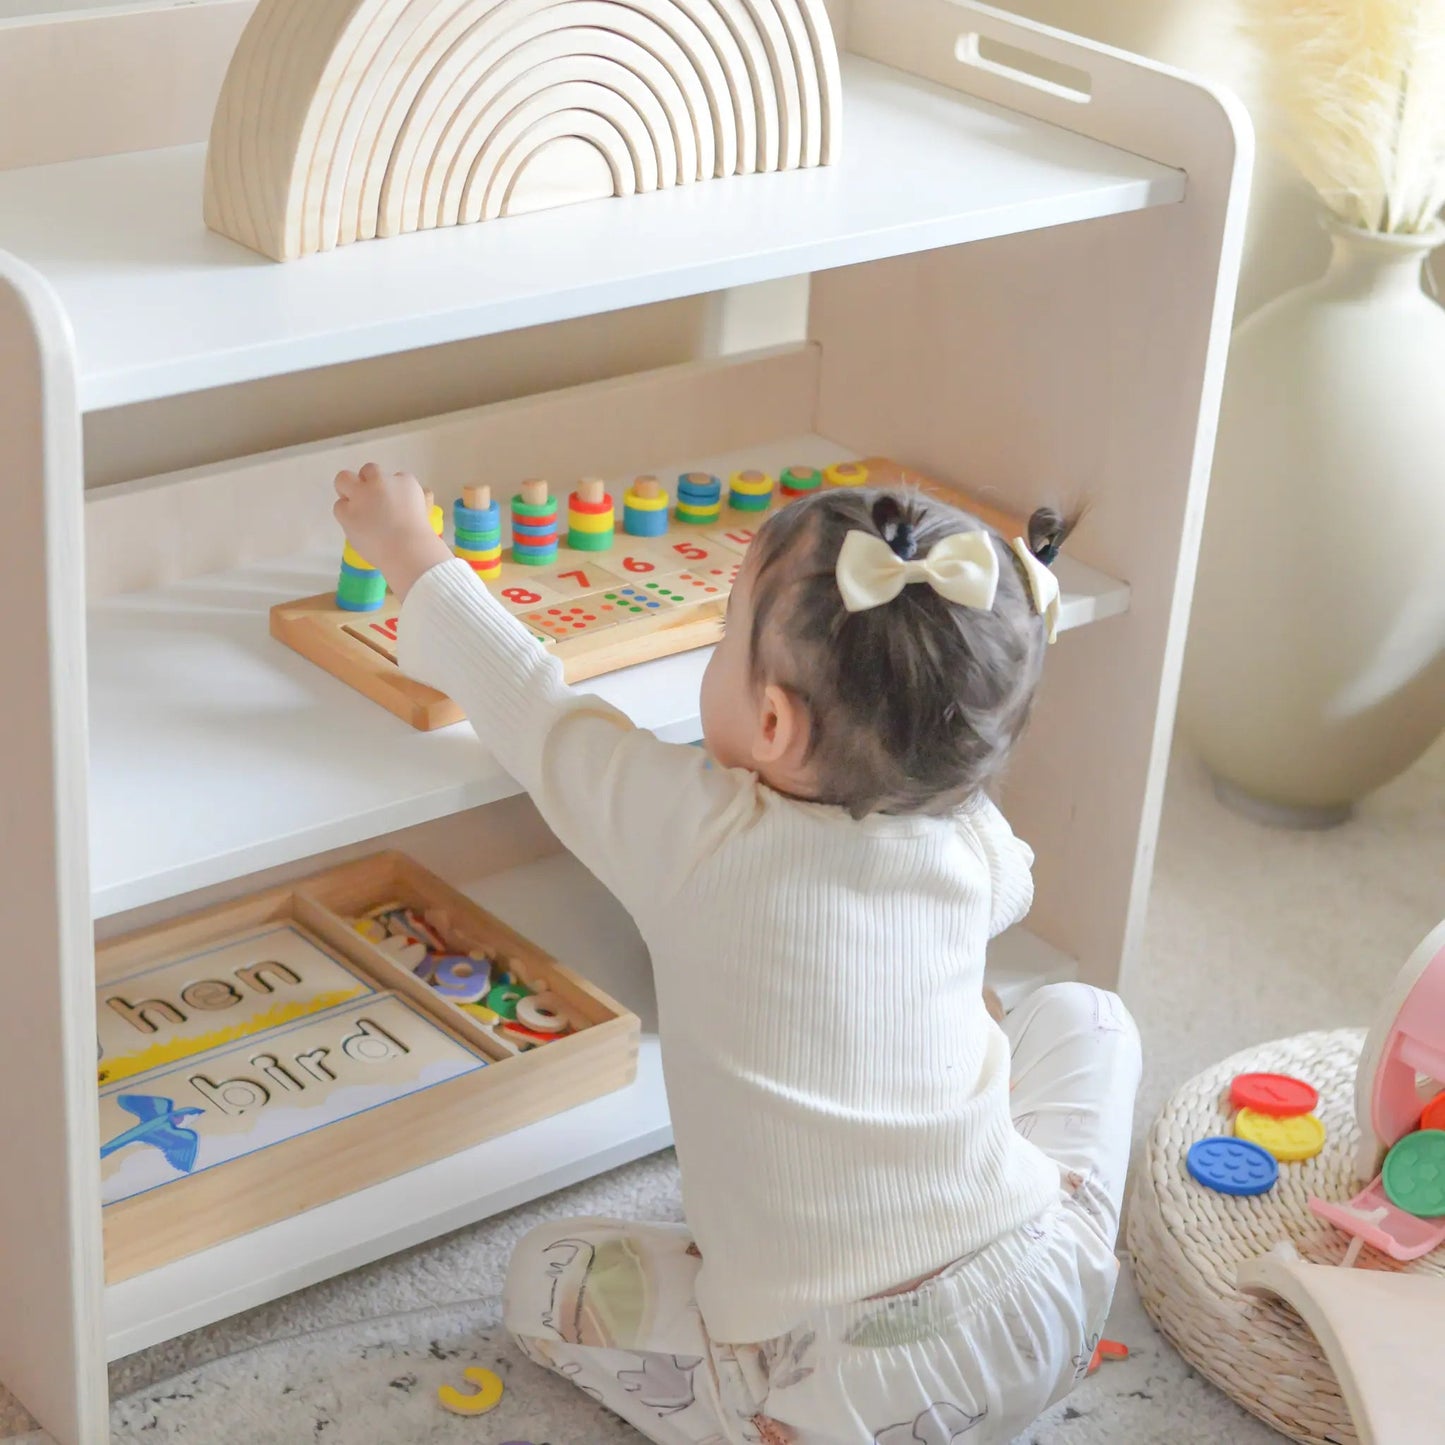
689, 571
224, 1030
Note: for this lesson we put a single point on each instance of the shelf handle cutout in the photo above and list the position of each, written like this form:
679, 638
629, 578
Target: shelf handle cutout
1024, 67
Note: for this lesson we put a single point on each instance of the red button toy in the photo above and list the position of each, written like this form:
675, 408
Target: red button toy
1276, 1094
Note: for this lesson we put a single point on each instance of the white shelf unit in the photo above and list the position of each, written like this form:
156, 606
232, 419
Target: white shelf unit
1015, 287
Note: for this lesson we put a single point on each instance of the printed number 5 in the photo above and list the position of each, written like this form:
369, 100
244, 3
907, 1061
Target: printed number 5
521, 596
691, 551
636, 564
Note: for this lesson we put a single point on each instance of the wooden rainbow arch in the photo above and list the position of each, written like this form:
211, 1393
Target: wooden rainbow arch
345, 120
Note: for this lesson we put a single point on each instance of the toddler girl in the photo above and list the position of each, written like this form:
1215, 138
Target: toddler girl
901, 1215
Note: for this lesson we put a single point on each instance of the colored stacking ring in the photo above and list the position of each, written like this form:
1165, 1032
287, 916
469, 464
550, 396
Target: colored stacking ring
535, 511
604, 508
534, 536
799, 481
534, 556
590, 521
351, 558
846, 474
360, 591
438, 519
699, 487
475, 519
645, 521
750, 492
752, 484
698, 515
590, 541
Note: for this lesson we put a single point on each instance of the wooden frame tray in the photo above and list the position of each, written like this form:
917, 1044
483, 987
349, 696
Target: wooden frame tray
689, 571
222, 1031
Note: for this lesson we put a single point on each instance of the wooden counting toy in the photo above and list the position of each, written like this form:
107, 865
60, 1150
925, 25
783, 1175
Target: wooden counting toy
750, 491
591, 517
477, 532
644, 508
699, 498
599, 597
534, 525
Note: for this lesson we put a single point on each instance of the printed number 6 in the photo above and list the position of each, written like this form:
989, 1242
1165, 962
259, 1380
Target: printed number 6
521, 596
691, 551
636, 564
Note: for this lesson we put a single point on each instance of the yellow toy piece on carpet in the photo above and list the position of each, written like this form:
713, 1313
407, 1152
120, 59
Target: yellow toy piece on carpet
1289, 1140
487, 1395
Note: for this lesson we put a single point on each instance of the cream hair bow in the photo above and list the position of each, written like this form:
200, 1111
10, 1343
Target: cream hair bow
1043, 586
962, 567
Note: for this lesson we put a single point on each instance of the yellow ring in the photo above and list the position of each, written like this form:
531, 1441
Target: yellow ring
840, 474
684, 510
438, 519
597, 522
487, 1395
353, 558
646, 504
492, 554
751, 489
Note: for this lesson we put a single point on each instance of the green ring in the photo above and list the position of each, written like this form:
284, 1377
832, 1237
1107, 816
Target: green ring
590, 541
534, 509
504, 998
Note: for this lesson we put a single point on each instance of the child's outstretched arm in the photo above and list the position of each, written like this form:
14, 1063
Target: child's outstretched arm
639, 813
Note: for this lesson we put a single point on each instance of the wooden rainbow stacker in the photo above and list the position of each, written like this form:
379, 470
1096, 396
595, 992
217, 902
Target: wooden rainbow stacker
603, 582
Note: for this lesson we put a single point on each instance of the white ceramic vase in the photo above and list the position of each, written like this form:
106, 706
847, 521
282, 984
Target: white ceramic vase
1316, 666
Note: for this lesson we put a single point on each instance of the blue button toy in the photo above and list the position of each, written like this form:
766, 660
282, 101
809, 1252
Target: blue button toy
1232, 1166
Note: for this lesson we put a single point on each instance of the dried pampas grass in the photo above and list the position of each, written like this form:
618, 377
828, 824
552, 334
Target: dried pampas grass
1359, 88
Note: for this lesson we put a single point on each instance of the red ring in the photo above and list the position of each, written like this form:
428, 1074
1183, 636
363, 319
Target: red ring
592, 509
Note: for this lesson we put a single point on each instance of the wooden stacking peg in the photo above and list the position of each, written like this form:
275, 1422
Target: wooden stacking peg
591, 517
534, 524
644, 508
477, 521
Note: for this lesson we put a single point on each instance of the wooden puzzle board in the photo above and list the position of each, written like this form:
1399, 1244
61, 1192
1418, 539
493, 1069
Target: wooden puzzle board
268, 1058
596, 611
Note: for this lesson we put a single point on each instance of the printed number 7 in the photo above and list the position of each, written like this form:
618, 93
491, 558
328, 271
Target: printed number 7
579, 574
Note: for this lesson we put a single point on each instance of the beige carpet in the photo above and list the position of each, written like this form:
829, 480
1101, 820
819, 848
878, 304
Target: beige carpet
1253, 933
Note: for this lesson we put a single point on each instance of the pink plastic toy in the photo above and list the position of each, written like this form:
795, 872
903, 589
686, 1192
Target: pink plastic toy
1407, 1043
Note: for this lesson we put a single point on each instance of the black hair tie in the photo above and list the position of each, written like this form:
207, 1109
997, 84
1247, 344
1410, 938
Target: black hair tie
903, 542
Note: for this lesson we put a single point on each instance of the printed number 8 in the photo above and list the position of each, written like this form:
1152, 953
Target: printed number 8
521, 596
636, 564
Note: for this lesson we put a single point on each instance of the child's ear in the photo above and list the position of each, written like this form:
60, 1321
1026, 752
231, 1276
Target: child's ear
783, 729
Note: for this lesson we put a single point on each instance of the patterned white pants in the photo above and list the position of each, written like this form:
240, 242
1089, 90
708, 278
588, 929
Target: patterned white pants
972, 1356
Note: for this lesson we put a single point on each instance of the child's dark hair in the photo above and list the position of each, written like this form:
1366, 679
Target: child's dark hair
915, 704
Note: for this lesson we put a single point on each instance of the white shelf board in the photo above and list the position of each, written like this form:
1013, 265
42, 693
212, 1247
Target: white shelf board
159, 306
215, 751
593, 934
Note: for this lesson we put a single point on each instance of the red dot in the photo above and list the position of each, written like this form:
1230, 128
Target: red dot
712, 589
588, 617
554, 611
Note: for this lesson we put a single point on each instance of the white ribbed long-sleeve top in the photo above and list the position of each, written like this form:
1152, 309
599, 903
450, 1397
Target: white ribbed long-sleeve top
839, 1094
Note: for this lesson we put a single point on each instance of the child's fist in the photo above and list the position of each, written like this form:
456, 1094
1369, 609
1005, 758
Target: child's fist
385, 520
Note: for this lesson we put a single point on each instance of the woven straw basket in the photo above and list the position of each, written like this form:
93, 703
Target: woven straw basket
1187, 1241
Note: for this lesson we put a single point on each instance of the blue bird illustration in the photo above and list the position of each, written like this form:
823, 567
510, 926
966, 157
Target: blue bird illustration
159, 1126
